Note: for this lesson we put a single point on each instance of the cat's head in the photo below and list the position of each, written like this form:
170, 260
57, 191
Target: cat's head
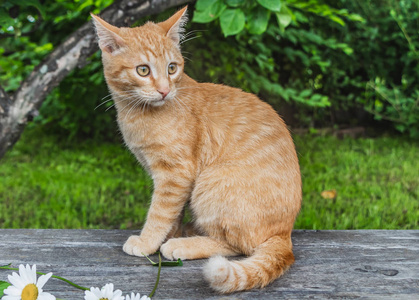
143, 63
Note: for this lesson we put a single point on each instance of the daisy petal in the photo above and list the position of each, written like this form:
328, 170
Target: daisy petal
33, 274
23, 274
97, 293
88, 295
117, 293
10, 298
108, 290
42, 280
16, 280
12, 291
46, 296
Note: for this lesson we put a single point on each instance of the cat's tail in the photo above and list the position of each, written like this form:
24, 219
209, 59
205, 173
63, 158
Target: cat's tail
269, 261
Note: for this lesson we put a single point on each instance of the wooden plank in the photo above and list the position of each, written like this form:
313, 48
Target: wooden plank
367, 264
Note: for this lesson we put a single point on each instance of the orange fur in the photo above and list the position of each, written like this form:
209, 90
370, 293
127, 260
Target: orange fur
223, 151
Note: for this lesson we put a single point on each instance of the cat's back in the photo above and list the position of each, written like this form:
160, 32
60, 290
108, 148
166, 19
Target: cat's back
234, 108
238, 127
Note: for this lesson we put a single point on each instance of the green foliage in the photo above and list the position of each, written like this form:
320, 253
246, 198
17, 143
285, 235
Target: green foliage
69, 109
278, 64
232, 21
271, 5
334, 58
392, 92
45, 183
394, 105
235, 15
330, 60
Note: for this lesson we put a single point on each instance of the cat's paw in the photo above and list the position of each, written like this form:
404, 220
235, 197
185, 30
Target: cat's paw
174, 249
136, 246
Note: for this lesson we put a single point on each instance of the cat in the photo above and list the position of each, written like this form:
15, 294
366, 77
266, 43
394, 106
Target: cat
225, 153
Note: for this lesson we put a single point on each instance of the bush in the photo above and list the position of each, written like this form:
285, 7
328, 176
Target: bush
325, 58
357, 56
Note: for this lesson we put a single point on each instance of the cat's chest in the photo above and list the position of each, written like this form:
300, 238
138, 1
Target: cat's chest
134, 138
150, 138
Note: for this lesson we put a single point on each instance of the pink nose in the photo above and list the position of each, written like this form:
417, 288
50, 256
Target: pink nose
164, 92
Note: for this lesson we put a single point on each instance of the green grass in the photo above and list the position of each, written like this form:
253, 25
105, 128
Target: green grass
377, 183
45, 184
49, 184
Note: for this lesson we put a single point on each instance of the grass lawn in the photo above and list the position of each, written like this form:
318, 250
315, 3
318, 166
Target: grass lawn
49, 184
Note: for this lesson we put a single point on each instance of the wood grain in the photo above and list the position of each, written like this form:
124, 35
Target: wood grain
367, 264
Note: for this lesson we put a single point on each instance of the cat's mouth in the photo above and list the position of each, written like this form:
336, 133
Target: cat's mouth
157, 103
162, 100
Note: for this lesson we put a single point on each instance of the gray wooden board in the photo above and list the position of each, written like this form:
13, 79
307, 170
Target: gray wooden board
366, 264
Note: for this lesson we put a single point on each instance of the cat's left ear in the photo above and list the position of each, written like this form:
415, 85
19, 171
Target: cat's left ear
108, 36
174, 26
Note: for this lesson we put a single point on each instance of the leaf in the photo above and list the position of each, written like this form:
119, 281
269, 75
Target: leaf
258, 20
208, 11
204, 4
284, 17
356, 18
232, 21
337, 20
177, 263
234, 3
330, 194
5, 18
305, 93
34, 3
3, 286
273, 5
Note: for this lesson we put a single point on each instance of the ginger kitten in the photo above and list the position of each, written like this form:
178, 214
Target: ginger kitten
222, 151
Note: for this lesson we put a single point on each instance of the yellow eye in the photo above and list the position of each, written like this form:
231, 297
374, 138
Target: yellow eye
172, 68
143, 70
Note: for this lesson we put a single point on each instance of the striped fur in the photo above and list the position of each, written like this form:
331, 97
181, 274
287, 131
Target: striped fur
223, 152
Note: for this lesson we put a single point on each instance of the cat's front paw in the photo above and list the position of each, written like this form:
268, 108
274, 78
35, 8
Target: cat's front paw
174, 249
136, 246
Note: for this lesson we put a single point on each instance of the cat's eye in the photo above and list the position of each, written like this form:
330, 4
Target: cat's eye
143, 70
172, 68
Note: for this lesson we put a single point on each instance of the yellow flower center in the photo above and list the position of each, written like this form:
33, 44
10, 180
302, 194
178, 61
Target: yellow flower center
103, 299
30, 292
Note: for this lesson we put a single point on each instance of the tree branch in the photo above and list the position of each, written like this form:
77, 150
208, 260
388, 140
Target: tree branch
72, 53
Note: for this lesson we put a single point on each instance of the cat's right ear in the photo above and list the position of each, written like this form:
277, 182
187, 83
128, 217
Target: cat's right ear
108, 36
174, 26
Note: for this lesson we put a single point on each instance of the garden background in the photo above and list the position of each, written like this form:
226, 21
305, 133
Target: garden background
343, 74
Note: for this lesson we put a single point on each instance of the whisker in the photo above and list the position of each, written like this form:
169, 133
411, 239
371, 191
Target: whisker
188, 87
192, 32
132, 101
103, 103
188, 39
137, 102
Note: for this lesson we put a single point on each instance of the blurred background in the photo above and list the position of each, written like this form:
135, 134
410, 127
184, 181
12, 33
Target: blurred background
343, 74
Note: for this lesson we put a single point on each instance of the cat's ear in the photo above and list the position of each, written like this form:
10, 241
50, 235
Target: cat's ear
174, 26
109, 39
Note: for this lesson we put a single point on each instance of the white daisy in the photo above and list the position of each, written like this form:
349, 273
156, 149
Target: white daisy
25, 286
136, 297
105, 293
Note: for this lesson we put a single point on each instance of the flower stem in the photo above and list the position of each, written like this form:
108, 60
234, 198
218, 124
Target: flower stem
7, 267
69, 282
157, 280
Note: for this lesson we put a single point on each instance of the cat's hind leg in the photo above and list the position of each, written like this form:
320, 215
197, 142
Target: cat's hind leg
182, 230
194, 248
